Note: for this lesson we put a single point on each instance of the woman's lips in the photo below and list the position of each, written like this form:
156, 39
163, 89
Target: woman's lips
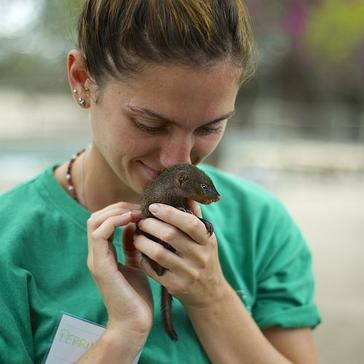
152, 173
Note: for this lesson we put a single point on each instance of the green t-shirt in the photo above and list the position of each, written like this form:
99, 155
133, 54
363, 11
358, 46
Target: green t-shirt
43, 251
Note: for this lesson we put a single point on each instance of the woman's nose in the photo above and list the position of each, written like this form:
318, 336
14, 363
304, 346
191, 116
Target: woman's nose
176, 150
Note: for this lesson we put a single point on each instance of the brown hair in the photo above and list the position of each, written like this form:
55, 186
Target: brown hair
118, 37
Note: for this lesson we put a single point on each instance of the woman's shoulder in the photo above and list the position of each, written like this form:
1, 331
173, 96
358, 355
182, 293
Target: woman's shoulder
25, 210
20, 196
238, 190
247, 205
22, 205
17, 197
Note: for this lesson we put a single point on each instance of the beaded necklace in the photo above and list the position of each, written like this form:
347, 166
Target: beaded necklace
70, 186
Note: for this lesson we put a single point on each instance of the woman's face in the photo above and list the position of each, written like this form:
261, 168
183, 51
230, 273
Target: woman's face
163, 116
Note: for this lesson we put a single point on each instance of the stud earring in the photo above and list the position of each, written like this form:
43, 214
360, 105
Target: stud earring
74, 91
81, 101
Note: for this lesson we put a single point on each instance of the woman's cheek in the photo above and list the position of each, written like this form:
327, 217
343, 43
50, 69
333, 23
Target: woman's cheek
205, 147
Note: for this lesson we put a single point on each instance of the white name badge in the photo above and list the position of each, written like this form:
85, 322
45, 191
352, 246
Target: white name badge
74, 336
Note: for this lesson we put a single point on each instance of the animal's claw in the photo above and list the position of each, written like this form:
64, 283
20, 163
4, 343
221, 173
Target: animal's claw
185, 210
208, 225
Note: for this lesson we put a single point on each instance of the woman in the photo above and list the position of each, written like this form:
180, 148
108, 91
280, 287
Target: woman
159, 79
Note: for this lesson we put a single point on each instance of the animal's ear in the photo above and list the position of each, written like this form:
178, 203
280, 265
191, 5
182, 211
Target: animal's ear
181, 178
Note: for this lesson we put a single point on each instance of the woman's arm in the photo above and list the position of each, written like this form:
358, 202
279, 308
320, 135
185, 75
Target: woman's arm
226, 330
114, 347
124, 288
296, 344
230, 335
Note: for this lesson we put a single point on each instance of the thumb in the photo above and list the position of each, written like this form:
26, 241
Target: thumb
132, 256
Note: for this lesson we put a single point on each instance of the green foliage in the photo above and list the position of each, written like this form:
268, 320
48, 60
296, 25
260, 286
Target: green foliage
36, 59
336, 30
59, 18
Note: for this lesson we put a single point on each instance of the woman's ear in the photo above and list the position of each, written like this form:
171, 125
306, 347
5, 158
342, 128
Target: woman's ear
78, 77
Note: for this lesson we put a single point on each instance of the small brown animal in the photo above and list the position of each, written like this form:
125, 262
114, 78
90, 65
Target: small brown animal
175, 186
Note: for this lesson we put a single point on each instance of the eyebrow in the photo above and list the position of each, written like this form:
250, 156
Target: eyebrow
165, 119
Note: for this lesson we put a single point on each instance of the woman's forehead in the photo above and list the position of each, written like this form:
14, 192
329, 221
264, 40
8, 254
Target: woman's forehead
178, 84
160, 75
176, 94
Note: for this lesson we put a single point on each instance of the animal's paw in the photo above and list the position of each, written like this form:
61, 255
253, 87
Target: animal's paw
208, 225
185, 210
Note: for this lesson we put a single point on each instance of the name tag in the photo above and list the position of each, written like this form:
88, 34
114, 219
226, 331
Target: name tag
74, 336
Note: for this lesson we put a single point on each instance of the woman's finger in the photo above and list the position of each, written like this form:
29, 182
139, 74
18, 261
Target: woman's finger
99, 239
106, 229
147, 268
119, 205
187, 223
99, 217
159, 253
181, 242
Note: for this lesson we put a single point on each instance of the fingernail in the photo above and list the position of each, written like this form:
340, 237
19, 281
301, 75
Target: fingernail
154, 208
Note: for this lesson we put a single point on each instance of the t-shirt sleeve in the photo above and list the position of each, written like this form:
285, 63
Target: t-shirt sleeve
285, 283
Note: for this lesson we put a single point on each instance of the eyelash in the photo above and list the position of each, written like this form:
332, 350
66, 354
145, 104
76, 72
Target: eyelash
148, 129
205, 130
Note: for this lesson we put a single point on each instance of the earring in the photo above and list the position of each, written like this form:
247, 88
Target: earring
74, 91
81, 101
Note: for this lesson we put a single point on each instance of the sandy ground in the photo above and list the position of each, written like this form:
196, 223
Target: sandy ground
331, 216
322, 186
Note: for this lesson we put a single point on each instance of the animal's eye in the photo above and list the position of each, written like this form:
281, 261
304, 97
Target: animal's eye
204, 187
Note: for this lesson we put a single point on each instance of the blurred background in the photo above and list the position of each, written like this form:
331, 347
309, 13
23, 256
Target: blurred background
298, 131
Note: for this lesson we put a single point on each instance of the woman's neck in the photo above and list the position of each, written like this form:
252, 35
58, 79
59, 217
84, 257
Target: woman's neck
95, 183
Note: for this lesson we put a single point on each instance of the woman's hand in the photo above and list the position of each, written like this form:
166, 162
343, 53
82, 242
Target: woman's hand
124, 287
193, 272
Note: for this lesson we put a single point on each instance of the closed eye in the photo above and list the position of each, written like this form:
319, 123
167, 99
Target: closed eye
208, 129
212, 128
147, 128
